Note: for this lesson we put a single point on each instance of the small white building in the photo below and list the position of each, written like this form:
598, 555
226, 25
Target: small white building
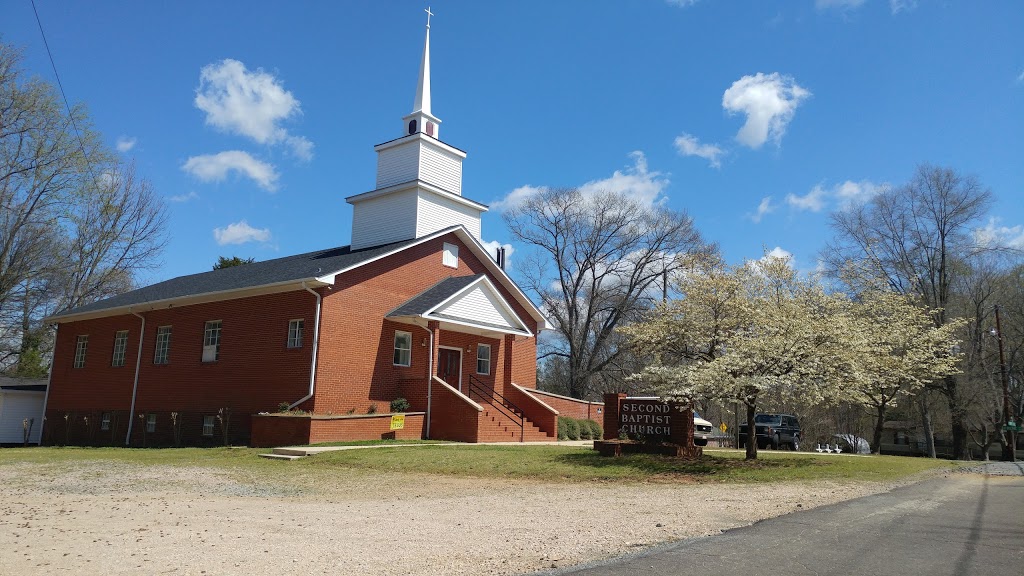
21, 404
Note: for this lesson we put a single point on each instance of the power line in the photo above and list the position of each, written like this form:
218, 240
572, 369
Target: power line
60, 86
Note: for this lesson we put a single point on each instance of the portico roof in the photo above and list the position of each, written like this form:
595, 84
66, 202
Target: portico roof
463, 303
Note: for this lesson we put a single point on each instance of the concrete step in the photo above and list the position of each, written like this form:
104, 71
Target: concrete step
280, 456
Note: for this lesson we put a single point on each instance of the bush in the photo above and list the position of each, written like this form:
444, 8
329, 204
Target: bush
399, 405
372, 409
572, 428
283, 406
563, 430
585, 432
596, 432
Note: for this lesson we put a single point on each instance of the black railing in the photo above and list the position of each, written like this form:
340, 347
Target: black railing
503, 405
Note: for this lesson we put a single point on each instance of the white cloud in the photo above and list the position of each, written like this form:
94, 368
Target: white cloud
769, 102
897, 6
240, 233
1020, 77
838, 4
689, 145
215, 168
251, 104
125, 143
993, 235
637, 181
682, 3
852, 193
184, 197
778, 252
764, 208
813, 200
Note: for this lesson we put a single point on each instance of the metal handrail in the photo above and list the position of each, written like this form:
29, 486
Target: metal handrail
506, 406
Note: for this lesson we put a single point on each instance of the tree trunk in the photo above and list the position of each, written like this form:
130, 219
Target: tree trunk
926, 421
876, 441
957, 417
751, 434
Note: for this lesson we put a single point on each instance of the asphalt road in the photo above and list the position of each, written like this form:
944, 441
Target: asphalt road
961, 524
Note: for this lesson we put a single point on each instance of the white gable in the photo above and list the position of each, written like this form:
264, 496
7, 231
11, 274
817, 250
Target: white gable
480, 305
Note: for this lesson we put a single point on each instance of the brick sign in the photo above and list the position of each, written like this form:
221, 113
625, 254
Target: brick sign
650, 419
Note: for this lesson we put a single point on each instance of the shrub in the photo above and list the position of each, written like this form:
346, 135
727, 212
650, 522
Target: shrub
372, 409
283, 407
399, 405
585, 432
572, 428
596, 432
563, 428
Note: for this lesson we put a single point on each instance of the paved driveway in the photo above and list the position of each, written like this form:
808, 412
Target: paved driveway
961, 524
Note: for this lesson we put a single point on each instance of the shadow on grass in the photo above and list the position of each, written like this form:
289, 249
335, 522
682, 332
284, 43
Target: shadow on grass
707, 467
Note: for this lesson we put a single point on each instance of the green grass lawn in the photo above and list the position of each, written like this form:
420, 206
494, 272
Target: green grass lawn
542, 463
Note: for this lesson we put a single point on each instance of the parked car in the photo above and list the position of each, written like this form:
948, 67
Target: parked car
775, 430
702, 430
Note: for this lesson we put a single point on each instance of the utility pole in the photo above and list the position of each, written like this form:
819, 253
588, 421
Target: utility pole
1009, 450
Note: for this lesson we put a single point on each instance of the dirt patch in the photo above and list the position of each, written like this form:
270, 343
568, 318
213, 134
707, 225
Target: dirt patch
101, 517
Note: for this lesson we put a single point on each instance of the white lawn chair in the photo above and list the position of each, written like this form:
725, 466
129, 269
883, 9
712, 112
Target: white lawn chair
819, 449
837, 449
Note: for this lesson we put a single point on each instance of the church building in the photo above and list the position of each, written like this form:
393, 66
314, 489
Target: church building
315, 347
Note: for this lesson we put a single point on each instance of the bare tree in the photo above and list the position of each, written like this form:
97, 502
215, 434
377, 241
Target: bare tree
75, 223
595, 262
916, 238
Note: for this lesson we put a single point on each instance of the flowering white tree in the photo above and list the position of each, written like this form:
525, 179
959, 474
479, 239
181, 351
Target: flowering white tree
740, 332
900, 351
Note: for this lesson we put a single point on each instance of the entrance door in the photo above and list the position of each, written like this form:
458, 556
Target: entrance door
449, 367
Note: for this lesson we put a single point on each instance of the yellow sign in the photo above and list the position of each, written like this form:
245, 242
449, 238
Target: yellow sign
398, 422
723, 427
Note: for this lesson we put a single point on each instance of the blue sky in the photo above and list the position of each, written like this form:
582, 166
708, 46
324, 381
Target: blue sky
757, 118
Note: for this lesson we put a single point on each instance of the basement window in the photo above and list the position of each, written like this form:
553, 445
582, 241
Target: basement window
105, 421
150, 423
208, 426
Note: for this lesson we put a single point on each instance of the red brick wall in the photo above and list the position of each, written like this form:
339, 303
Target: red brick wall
277, 430
255, 371
571, 407
356, 362
451, 417
539, 414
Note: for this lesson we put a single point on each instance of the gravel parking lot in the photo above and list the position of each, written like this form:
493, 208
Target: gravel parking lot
99, 517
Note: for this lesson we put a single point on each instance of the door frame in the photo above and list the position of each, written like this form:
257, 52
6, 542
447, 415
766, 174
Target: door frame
457, 349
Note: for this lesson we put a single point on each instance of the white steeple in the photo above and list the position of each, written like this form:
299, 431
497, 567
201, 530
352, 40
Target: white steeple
419, 180
421, 120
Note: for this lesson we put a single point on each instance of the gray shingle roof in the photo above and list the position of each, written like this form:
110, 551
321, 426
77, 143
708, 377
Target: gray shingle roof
424, 301
278, 271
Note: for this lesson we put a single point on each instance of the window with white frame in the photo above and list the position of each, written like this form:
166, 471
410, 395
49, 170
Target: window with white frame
403, 348
207, 425
483, 358
295, 333
105, 421
162, 350
450, 255
120, 346
80, 346
211, 341
150, 422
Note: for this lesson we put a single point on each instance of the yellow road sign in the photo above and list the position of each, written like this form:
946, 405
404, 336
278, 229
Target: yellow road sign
723, 427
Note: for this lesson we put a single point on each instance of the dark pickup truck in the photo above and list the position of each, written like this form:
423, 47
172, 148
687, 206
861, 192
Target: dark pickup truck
775, 430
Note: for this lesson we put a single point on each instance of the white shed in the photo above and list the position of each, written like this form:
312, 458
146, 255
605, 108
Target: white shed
21, 399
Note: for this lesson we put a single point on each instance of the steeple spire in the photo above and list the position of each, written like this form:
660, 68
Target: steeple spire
421, 119
422, 103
